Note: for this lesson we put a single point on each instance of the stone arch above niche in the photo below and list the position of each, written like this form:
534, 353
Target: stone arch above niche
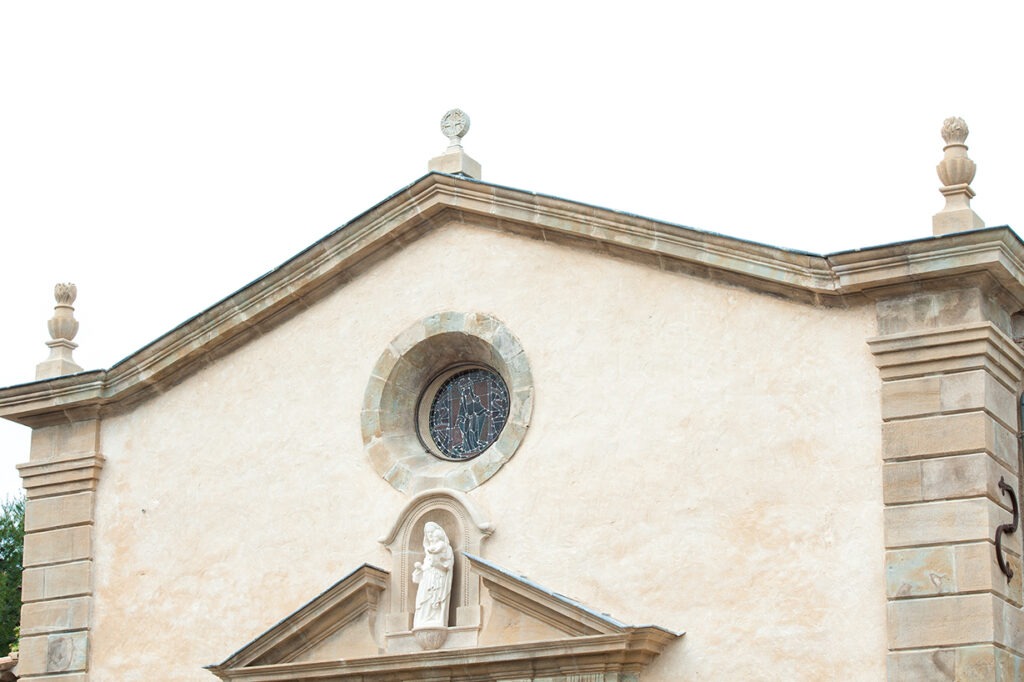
467, 527
391, 416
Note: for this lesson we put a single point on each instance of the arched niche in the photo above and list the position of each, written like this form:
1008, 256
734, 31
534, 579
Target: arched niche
466, 526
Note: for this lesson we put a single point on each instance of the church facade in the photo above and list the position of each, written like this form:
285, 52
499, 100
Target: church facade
484, 434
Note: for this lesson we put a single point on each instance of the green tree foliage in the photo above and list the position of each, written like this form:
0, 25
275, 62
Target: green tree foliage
12, 542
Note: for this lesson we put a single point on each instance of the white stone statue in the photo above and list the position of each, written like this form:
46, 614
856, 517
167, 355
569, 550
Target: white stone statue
434, 577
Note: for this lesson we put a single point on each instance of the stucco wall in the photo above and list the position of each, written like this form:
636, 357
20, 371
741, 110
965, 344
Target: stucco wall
700, 457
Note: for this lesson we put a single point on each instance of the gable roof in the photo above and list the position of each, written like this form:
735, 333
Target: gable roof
438, 199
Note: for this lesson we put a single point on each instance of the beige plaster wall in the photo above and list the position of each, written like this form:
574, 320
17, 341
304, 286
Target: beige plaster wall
701, 457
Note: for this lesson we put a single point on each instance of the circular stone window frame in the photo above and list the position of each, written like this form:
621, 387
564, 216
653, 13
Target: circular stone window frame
411, 363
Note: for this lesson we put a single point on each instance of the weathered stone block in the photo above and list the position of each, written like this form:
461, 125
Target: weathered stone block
55, 615
62, 580
67, 652
930, 310
975, 663
952, 434
902, 482
935, 665
920, 571
32, 655
1009, 626
931, 523
940, 621
949, 393
932, 571
963, 476
1009, 666
55, 653
65, 544
976, 570
959, 476
65, 440
63, 510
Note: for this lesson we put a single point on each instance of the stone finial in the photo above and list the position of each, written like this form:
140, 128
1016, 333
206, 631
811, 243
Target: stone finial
956, 171
454, 161
62, 326
455, 125
954, 130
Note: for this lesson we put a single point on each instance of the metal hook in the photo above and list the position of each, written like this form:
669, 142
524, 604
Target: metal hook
1008, 528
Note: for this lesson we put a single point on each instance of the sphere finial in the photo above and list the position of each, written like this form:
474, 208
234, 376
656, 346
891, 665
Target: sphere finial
454, 126
455, 161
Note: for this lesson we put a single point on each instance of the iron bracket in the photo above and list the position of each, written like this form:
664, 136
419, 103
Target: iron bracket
1007, 528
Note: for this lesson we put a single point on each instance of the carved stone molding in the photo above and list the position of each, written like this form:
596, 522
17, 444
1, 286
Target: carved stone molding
597, 658
61, 476
950, 349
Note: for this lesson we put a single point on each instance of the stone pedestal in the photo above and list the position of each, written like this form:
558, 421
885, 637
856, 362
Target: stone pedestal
456, 162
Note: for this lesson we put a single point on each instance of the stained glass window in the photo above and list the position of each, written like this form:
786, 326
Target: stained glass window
468, 412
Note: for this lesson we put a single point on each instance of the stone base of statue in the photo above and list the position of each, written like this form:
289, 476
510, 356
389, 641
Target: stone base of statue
430, 637
413, 641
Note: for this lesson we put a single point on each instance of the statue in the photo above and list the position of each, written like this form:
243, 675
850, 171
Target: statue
434, 577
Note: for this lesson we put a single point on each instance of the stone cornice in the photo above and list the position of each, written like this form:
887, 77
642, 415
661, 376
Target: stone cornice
436, 200
623, 652
996, 251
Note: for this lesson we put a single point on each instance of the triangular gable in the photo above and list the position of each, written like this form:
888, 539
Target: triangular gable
522, 595
438, 199
582, 640
325, 616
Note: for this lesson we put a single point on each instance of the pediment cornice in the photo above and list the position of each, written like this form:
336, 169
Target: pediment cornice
583, 642
437, 200
623, 652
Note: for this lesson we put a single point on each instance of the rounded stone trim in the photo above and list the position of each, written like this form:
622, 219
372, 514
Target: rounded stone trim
410, 363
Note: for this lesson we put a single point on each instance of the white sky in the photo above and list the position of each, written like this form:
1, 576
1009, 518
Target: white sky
162, 155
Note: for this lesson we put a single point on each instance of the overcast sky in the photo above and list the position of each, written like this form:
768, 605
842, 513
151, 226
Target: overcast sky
163, 155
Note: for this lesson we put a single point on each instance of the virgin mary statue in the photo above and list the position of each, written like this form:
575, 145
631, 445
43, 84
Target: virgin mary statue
434, 577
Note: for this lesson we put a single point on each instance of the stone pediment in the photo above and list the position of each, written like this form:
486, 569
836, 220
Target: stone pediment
529, 633
341, 617
437, 200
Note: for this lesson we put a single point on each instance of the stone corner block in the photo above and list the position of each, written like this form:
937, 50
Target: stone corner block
941, 622
52, 546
